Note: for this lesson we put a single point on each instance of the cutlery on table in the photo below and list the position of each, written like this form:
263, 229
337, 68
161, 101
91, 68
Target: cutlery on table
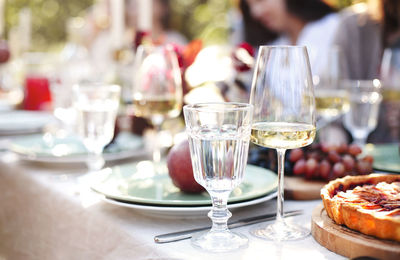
181, 235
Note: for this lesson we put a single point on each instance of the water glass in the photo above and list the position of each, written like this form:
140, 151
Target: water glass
362, 118
219, 136
96, 108
63, 110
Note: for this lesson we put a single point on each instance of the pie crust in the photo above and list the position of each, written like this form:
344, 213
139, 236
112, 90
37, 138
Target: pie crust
368, 203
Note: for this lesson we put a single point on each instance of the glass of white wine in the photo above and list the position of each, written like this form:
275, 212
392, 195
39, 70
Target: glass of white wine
390, 78
96, 108
219, 137
331, 96
157, 88
282, 94
365, 100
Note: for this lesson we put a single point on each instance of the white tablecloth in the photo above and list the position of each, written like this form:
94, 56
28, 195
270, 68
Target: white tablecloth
43, 215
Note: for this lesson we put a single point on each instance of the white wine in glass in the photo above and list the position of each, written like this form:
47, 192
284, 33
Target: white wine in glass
389, 123
331, 103
331, 96
284, 118
157, 87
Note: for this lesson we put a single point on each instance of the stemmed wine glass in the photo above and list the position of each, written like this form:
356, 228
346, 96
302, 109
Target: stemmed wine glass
157, 88
96, 106
219, 136
365, 99
331, 97
390, 78
282, 94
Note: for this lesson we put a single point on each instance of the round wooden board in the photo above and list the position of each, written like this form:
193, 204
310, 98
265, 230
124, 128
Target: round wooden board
347, 242
298, 188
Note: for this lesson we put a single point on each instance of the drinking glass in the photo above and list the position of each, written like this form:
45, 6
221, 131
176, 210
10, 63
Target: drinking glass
96, 111
157, 87
219, 136
362, 117
282, 94
390, 78
331, 97
63, 109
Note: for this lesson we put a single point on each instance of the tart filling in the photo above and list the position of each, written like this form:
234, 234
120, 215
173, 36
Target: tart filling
369, 204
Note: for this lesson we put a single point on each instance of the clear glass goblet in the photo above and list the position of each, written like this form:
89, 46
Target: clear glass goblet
96, 111
362, 118
284, 118
219, 136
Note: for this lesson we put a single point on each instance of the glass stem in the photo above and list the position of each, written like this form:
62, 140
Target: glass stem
360, 140
219, 213
156, 145
280, 198
95, 161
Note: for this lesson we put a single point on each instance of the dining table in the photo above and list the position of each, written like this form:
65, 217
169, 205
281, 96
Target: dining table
48, 211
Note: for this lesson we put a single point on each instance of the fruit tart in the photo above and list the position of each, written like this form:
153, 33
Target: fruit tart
369, 204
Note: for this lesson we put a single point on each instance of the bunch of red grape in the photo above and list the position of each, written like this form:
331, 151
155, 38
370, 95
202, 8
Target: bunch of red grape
327, 162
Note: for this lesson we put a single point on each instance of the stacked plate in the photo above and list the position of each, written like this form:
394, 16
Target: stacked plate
38, 148
23, 122
386, 156
134, 186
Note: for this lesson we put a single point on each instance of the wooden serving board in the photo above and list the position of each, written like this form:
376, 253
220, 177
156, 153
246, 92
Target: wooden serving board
298, 188
347, 242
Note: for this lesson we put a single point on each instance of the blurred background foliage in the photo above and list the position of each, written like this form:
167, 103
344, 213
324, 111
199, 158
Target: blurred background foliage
204, 19
48, 18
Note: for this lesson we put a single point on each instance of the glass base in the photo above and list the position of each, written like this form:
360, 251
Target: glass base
280, 232
219, 242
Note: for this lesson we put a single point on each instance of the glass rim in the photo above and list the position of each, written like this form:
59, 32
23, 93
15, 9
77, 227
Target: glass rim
218, 106
363, 83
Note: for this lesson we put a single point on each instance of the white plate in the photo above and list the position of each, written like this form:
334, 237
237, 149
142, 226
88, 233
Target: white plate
184, 212
70, 150
134, 183
23, 122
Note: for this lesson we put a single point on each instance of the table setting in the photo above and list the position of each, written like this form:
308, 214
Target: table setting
206, 176
144, 205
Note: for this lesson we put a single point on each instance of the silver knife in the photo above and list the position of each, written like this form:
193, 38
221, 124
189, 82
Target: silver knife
181, 235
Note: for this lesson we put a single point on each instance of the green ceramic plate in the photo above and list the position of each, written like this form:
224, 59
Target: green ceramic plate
133, 183
71, 149
386, 156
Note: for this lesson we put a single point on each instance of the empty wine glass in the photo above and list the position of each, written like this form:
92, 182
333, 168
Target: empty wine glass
96, 107
282, 94
219, 136
362, 118
157, 88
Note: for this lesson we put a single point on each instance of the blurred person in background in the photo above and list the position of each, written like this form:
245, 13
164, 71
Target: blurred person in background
161, 31
248, 29
365, 30
312, 23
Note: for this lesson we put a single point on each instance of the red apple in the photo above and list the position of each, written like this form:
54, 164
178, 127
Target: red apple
180, 168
